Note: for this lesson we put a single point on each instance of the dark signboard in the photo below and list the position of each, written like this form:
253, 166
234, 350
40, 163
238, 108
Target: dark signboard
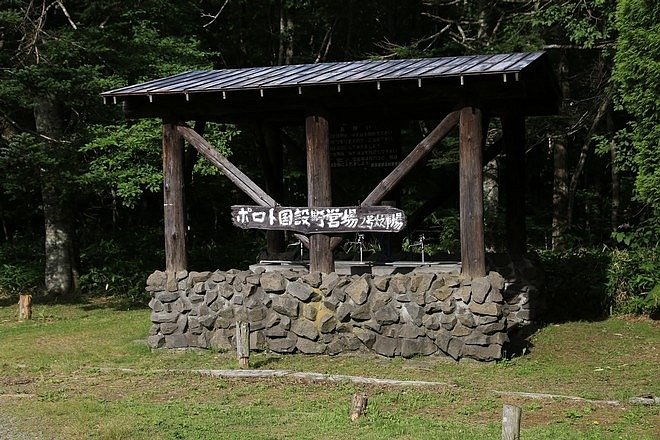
320, 220
364, 145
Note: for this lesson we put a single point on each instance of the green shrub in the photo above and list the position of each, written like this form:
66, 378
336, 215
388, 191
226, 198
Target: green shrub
576, 284
120, 266
633, 280
588, 283
21, 266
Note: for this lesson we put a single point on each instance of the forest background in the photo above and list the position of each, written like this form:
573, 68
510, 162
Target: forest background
80, 187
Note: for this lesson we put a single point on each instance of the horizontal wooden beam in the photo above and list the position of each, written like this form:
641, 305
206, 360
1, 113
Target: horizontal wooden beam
238, 178
416, 155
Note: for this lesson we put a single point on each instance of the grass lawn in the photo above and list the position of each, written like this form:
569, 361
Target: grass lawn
61, 377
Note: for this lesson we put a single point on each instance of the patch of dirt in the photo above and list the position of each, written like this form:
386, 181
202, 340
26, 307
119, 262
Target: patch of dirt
10, 381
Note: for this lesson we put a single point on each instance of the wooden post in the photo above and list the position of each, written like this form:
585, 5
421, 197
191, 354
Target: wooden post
319, 191
173, 200
511, 416
243, 344
513, 134
473, 257
358, 405
24, 307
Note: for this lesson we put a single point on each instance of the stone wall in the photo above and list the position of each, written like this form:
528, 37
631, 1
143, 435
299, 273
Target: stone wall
523, 301
313, 313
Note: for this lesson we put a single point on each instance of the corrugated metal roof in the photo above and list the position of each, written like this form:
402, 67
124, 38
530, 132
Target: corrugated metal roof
352, 72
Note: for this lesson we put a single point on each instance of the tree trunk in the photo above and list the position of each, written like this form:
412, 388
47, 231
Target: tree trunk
285, 53
616, 183
61, 274
559, 194
5, 230
584, 151
560, 181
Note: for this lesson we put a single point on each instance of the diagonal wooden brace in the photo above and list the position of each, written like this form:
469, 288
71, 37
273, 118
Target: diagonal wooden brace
416, 155
238, 178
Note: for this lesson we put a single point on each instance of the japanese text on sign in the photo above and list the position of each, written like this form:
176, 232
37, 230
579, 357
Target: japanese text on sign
313, 220
364, 146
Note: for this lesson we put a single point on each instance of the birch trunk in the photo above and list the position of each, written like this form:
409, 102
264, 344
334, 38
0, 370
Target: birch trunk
61, 274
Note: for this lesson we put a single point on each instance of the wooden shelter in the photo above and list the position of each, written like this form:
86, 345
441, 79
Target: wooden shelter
464, 91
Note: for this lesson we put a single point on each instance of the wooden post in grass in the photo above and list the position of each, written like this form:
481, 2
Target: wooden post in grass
511, 416
243, 344
24, 307
358, 405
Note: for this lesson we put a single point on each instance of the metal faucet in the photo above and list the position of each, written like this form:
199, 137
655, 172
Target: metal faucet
302, 247
420, 244
359, 240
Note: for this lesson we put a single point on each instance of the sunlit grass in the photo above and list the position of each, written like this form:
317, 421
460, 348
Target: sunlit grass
68, 362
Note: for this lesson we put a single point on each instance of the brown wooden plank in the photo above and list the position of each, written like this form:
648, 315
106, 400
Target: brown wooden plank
513, 134
416, 155
173, 200
318, 186
320, 219
471, 193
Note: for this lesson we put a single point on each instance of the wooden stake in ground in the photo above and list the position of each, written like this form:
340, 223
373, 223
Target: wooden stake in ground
243, 344
358, 405
24, 307
511, 416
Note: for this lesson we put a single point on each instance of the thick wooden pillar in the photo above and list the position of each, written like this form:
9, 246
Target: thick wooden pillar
513, 134
318, 187
473, 257
173, 200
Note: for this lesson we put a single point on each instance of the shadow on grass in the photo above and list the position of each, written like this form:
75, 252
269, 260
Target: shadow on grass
117, 303
265, 360
520, 340
86, 302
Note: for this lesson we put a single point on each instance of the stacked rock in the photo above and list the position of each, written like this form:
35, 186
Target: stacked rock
313, 313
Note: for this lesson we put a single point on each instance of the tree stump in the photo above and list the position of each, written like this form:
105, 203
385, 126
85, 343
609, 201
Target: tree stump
511, 416
358, 405
24, 307
243, 344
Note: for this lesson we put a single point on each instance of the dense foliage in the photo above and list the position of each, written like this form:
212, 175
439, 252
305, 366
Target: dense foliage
71, 167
